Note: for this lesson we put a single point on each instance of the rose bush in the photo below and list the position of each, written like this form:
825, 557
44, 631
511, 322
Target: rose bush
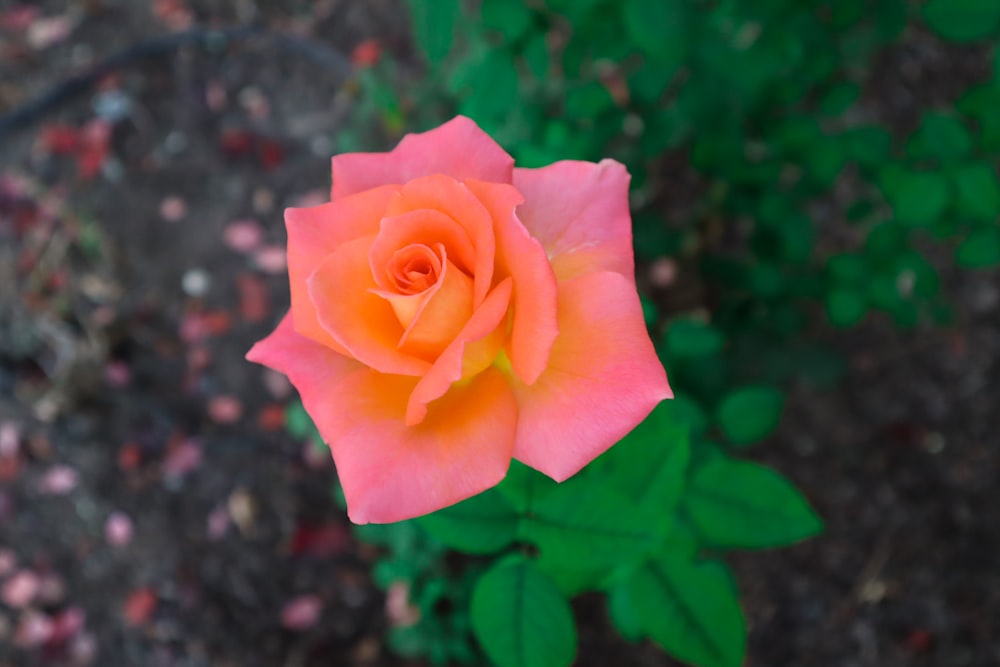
450, 312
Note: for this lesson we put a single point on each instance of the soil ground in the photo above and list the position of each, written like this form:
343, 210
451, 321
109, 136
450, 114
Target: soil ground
152, 509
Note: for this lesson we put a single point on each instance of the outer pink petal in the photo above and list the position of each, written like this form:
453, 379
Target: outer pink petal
391, 472
458, 149
361, 321
579, 211
313, 234
534, 327
315, 370
603, 378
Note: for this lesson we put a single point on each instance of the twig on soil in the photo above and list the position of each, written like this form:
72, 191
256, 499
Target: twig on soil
64, 92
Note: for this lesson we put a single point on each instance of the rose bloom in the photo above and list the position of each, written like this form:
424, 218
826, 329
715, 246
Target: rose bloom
451, 312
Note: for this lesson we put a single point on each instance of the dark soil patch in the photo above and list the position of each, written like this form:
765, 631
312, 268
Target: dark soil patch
123, 391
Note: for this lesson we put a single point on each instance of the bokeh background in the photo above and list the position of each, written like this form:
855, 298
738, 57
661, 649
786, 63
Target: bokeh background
814, 180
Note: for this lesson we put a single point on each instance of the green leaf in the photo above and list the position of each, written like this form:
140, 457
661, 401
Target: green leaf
691, 609
512, 19
980, 249
585, 524
750, 414
738, 504
977, 192
659, 28
845, 307
963, 20
847, 268
941, 136
686, 338
434, 26
489, 86
918, 198
524, 486
649, 465
482, 524
685, 411
536, 53
839, 99
869, 145
521, 619
624, 615
885, 241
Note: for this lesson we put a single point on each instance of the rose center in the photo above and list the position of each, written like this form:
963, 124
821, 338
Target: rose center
414, 269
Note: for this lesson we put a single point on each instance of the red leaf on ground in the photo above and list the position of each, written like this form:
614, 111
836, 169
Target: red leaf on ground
59, 139
270, 153
236, 143
129, 456
323, 540
254, 302
139, 606
367, 53
272, 417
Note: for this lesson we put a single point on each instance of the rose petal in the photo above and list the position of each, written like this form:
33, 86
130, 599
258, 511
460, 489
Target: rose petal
313, 369
535, 326
359, 320
313, 234
472, 350
391, 471
425, 227
439, 315
579, 211
454, 199
602, 379
458, 149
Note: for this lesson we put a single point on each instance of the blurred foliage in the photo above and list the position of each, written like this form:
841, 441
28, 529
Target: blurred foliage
746, 125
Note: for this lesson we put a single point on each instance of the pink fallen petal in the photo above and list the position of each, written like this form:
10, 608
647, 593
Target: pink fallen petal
243, 235
8, 561
225, 409
46, 32
118, 529
51, 588
317, 457
271, 259
118, 374
83, 650
277, 384
67, 624
21, 589
59, 480
182, 459
33, 630
19, 18
302, 613
218, 523
399, 609
10, 439
173, 209
311, 198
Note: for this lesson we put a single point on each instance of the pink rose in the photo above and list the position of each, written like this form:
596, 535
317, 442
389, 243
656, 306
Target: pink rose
450, 312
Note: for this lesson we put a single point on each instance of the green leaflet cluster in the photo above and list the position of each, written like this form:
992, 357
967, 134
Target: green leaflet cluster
644, 524
743, 124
